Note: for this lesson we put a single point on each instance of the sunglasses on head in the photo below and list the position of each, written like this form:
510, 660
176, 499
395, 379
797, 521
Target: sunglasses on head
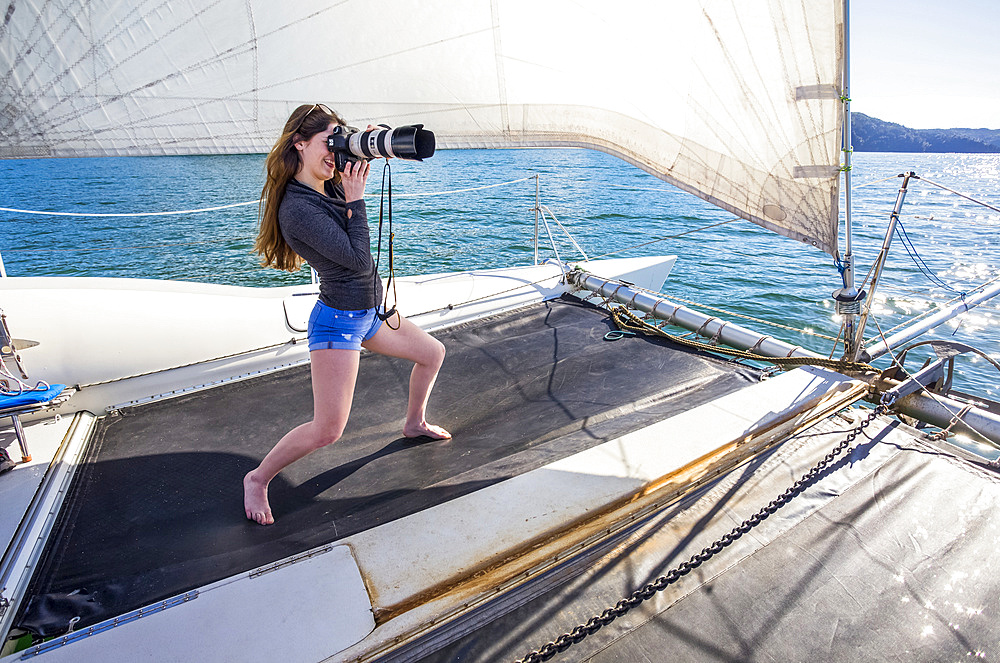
322, 107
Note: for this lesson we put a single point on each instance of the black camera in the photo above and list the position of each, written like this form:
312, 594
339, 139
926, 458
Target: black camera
411, 142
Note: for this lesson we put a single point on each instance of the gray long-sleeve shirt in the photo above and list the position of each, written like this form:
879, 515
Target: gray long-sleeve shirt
338, 248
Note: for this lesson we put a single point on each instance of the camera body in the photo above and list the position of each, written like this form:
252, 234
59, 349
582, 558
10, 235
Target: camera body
348, 144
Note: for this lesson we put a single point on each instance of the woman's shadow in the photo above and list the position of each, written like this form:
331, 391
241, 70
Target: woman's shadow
321, 483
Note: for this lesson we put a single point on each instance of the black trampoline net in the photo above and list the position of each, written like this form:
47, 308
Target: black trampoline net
156, 508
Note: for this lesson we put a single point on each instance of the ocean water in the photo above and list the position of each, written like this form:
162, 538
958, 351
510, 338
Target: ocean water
608, 206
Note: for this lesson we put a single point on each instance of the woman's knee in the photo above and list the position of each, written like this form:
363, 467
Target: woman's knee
325, 435
427, 351
436, 353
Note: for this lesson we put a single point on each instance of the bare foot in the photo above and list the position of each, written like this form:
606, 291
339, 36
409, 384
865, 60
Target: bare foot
424, 429
255, 500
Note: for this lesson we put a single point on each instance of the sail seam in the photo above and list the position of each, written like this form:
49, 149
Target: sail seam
501, 77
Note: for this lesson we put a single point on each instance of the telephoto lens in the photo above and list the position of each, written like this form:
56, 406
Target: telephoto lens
411, 142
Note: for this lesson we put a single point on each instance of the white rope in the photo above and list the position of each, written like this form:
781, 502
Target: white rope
185, 211
475, 188
11, 385
249, 202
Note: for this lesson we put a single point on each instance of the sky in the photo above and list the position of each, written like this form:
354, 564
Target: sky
927, 64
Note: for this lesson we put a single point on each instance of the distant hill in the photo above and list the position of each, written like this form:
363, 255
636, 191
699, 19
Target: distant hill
869, 134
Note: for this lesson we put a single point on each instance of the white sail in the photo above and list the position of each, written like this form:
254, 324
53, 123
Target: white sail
736, 101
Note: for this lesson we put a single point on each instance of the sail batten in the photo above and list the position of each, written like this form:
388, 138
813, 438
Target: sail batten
737, 102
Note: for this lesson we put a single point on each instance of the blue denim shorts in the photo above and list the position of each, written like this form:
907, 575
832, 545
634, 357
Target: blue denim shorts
333, 329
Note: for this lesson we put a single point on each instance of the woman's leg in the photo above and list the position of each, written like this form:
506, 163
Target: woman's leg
427, 354
334, 373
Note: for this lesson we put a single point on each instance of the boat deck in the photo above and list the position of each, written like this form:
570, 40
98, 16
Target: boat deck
18, 486
155, 509
884, 557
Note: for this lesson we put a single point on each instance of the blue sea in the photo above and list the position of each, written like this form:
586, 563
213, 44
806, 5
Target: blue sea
608, 206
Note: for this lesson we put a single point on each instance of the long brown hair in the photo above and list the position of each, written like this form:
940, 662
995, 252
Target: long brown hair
281, 165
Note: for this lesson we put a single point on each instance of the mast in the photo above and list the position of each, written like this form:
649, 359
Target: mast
848, 299
848, 147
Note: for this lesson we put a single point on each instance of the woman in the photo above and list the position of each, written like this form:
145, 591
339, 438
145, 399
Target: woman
309, 211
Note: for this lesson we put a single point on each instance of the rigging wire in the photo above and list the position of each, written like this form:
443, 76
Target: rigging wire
904, 238
545, 210
919, 261
884, 179
474, 188
243, 204
911, 250
663, 239
957, 193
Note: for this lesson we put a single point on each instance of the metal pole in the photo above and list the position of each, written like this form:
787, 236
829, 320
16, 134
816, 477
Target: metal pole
848, 148
939, 411
848, 299
918, 328
880, 261
537, 210
936, 410
705, 325
942, 410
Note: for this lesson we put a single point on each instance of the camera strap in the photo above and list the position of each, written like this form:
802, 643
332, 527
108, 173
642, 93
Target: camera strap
387, 312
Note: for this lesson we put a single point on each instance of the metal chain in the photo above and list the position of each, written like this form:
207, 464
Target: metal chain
647, 591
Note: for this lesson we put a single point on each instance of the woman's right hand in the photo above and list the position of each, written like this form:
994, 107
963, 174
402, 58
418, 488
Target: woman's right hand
354, 177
